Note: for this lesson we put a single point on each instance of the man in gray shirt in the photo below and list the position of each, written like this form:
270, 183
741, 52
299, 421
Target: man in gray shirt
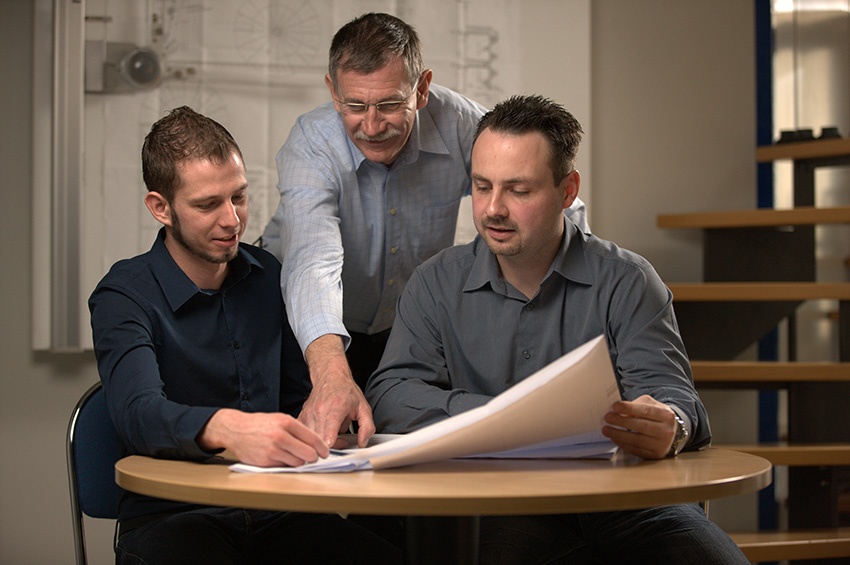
476, 319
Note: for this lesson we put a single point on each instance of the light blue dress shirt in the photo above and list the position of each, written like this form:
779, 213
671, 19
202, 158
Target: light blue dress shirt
387, 220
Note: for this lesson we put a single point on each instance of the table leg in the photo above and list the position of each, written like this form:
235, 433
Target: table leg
442, 539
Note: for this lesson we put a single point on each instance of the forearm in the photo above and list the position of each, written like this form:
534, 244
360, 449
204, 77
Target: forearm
214, 435
310, 246
147, 421
326, 356
651, 360
402, 404
667, 379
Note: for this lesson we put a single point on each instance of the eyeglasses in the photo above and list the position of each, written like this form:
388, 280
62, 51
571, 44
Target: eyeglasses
386, 108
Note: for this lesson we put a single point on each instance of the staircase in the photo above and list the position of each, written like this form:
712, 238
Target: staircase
759, 267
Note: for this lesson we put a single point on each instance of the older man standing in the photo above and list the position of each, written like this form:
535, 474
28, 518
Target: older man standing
370, 186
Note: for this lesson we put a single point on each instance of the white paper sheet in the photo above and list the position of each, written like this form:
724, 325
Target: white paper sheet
556, 412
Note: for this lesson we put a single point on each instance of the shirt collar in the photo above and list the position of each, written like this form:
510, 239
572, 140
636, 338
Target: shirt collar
570, 263
179, 288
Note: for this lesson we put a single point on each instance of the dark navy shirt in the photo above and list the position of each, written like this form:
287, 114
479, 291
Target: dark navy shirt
170, 354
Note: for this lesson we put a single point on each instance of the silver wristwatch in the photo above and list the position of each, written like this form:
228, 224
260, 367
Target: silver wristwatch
681, 437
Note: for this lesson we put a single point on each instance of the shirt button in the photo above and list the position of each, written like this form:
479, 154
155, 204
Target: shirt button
393, 249
526, 354
244, 396
392, 211
235, 344
391, 282
529, 307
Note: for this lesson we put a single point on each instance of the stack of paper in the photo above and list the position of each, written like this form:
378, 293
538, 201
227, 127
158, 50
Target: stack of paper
555, 413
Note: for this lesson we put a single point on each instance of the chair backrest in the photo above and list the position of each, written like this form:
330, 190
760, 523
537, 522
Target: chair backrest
92, 448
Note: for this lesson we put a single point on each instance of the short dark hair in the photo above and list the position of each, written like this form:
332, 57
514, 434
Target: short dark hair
372, 41
182, 135
533, 113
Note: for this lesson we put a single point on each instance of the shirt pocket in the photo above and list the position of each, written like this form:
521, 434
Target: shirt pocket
436, 230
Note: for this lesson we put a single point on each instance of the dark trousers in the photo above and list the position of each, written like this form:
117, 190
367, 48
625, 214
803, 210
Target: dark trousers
364, 353
212, 536
667, 534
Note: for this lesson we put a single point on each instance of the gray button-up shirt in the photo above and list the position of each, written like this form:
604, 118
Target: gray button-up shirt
463, 334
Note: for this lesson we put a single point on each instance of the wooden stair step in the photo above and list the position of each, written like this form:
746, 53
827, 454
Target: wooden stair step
758, 291
764, 217
814, 149
797, 455
769, 371
793, 544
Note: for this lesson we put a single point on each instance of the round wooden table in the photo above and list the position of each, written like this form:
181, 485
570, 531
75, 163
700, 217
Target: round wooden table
456, 492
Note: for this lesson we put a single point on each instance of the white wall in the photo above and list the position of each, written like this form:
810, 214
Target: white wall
673, 107
38, 391
672, 130
674, 121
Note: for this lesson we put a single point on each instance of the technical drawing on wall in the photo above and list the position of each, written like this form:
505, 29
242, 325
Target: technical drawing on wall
255, 66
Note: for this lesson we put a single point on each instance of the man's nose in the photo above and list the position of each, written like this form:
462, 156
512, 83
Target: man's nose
372, 121
496, 205
230, 215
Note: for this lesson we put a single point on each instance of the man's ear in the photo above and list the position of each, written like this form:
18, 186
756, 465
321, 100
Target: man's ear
423, 88
330, 84
571, 184
159, 208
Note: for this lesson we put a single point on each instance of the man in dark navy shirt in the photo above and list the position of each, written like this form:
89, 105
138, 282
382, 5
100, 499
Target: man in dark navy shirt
196, 356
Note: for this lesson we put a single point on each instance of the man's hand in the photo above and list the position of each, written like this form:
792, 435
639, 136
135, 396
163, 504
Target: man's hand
264, 439
643, 427
336, 400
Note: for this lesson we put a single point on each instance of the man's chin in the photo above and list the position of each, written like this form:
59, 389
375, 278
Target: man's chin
385, 155
501, 248
229, 256
386, 159
217, 258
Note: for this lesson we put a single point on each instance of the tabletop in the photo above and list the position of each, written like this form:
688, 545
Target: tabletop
459, 487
